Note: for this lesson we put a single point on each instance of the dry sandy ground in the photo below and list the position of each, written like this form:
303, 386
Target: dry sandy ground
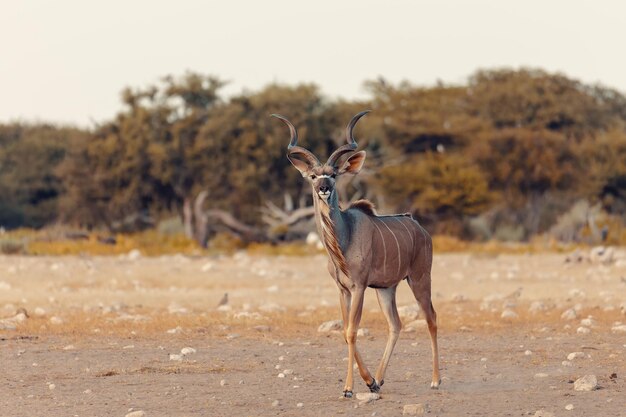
101, 331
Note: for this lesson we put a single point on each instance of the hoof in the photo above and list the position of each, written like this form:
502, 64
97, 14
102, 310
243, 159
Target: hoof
347, 394
435, 385
374, 386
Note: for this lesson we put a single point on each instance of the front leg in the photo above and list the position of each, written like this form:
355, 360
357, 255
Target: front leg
345, 300
354, 318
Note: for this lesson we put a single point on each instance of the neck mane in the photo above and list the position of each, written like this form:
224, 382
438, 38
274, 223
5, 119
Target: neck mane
327, 215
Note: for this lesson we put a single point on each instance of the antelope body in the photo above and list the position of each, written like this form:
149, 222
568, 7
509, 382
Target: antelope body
366, 250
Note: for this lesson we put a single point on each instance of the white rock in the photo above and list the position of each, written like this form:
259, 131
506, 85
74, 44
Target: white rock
175, 308
138, 413
367, 397
272, 289
413, 410
176, 357
330, 326
583, 330
569, 314
224, 308
176, 330
281, 375
575, 355
187, 351
288, 372
509, 314
207, 266
619, 328
300, 405
275, 403
528, 353
133, 255
588, 322
543, 413
5, 285
87, 391
51, 386
363, 332
69, 347
541, 375
410, 312
39, 312
414, 326
56, 320
222, 382
566, 363
569, 407
537, 306
586, 383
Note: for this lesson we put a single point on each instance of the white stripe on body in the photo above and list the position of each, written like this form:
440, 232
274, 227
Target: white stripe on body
384, 247
408, 231
397, 245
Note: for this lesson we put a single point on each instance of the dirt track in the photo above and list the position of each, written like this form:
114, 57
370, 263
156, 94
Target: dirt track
109, 351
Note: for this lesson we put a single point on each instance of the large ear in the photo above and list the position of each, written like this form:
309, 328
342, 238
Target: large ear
353, 164
301, 165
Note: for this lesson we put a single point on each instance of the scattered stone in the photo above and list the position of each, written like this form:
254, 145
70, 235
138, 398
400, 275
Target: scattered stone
543, 413
601, 254
176, 330
176, 357
541, 375
537, 306
138, 413
51, 386
588, 322
509, 314
330, 326
569, 407
566, 363
69, 347
575, 355
299, 405
367, 397
410, 312
129, 347
364, 332
263, 328
413, 410
187, 351
224, 308
222, 382
528, 352
275, 403
40, 312
569, 314
272, 289
56, 320
414, 326
586, 383
281, 375
207, 267
583, 330
619, 328
87, 391
133, 255
288, 371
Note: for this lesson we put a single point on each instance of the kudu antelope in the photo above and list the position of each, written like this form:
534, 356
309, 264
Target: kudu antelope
366, 250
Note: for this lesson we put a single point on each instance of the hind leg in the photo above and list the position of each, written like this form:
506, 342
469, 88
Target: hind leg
421, 291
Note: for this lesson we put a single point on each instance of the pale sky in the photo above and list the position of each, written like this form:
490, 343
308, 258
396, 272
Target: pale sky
66, 61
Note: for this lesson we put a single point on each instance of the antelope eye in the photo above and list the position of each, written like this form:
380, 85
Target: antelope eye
312, 176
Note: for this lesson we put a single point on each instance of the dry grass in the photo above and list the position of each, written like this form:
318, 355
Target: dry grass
54, 241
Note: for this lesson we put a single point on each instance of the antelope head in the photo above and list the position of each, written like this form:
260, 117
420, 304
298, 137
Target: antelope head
323, 177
